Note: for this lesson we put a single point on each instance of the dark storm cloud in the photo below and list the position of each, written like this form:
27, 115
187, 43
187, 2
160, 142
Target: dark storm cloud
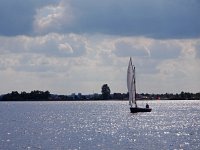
155, 18
17, 16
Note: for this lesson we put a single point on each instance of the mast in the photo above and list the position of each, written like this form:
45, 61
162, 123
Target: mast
132, 82
135, 86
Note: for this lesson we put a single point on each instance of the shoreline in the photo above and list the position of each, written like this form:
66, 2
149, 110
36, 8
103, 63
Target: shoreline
94, 100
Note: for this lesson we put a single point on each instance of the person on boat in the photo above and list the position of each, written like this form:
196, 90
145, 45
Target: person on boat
147, 105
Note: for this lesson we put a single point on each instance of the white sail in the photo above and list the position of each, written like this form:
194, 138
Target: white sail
131, 83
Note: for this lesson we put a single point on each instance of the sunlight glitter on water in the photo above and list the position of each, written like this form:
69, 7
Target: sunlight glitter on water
99, 125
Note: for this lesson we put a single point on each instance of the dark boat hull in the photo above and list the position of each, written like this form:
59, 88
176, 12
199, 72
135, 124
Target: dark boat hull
137, 109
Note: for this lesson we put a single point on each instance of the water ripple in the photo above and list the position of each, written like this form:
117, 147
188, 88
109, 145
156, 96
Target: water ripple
99, 125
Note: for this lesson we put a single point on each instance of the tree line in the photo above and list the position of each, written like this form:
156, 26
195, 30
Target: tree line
37, 95
23, 96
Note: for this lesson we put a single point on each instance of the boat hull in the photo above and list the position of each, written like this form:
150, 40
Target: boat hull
138, 109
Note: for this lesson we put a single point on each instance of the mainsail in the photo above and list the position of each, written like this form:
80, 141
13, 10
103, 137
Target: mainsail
131, 84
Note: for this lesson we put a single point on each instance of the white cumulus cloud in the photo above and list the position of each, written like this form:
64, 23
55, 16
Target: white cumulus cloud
53, 18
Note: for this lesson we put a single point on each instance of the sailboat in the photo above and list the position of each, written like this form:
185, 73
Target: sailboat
131, 85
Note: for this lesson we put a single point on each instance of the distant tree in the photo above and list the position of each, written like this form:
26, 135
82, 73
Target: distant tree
47, 94
105, 90
182, 95
197, 96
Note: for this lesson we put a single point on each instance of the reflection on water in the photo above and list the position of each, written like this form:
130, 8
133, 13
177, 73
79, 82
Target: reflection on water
99, 125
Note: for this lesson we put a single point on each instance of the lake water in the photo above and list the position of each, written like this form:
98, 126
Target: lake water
99, 125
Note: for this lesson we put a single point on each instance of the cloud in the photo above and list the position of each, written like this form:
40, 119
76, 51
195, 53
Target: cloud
197, 49
67, 63
65, 47
148, 48
158, 19
53, 45
17, 16
164, 50
70, 46
52, 18
130, 49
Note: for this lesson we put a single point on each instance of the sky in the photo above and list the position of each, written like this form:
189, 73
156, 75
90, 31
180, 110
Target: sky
71, 46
